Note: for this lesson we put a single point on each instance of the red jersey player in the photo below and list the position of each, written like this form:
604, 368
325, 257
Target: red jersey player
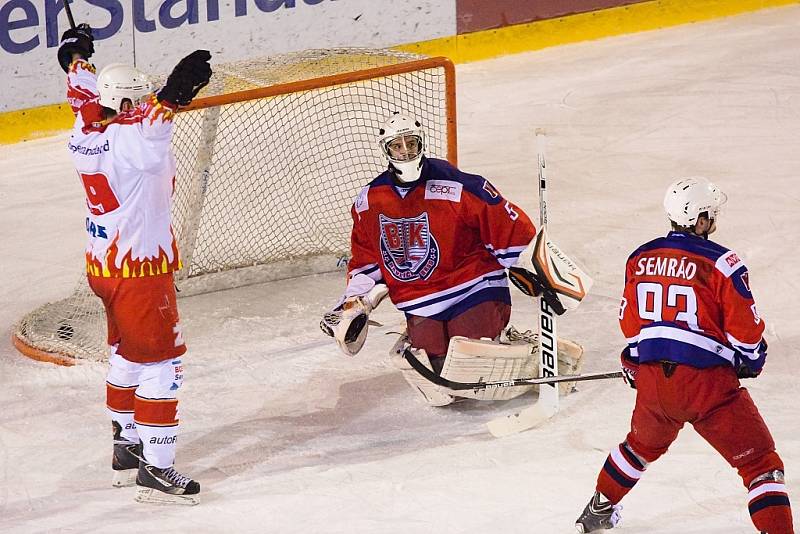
439, 240
693, 331
120, 146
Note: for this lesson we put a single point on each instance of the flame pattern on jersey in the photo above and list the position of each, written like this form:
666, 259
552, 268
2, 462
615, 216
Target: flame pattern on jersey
127, 170
130, 267
81, 84
442, 245
688, 300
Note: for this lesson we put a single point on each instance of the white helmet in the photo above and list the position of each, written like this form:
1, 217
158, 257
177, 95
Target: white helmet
688, 197
117, 82
402, 141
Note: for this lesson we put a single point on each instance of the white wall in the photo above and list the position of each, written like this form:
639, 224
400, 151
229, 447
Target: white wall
155, 34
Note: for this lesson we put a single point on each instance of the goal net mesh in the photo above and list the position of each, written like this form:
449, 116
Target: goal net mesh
269, 160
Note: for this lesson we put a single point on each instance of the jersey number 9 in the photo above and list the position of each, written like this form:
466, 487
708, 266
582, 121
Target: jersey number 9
99, 196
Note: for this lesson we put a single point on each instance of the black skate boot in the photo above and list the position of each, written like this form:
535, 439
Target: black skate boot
125, 461
165, 486
599, 514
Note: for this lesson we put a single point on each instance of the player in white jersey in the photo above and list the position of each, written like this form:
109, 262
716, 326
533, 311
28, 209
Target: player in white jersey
121, 148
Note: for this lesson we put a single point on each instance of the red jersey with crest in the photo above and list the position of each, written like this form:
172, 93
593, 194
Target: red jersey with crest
688, 300
127, 170
442, 245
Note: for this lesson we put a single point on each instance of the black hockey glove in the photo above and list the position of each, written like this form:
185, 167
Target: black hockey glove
630, 367
190, 75
742, 369
533, 286
77, 40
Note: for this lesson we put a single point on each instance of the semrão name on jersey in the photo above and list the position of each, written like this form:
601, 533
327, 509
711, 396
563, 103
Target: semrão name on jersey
672, 267
90, 150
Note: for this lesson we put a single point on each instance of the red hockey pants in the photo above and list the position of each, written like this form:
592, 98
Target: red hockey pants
722, 412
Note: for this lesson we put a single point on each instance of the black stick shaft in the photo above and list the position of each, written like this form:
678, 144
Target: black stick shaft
69, 14
436, 379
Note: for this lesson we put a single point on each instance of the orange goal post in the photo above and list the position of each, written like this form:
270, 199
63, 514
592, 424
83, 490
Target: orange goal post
269, 160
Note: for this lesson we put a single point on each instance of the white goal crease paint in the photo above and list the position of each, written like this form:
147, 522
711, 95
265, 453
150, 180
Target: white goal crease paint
278, 427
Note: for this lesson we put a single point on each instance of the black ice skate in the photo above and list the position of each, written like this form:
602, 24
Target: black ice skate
165, 486
599, 514
125, 461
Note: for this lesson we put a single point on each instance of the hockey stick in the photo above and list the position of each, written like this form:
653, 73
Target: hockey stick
547, 404
69, 14
510, 383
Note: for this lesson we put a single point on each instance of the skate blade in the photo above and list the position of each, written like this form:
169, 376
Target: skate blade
123, 479
152, 496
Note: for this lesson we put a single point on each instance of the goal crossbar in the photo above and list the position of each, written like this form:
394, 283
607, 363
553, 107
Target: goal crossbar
269, 160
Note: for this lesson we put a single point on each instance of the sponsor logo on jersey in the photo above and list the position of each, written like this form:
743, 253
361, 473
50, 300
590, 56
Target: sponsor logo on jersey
90, 151
409, 250
732, 259
729, 263
489, 188
443, 190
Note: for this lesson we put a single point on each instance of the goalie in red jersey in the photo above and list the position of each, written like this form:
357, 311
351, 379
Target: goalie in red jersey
438, 241
692, 329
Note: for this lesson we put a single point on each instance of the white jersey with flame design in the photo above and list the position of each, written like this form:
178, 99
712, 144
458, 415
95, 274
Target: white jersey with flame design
127, 170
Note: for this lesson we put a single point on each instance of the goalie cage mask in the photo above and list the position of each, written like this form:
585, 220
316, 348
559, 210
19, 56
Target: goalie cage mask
402, 142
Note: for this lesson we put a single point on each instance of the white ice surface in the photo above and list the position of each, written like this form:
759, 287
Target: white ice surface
286, 435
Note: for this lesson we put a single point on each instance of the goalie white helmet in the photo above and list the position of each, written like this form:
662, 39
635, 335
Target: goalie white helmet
402, 141
688, 198
118, 82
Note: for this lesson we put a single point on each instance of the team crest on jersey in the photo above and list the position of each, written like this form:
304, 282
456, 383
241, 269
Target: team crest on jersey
408, 248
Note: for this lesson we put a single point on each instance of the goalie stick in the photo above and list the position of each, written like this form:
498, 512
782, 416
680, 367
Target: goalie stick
533, 381
547, 404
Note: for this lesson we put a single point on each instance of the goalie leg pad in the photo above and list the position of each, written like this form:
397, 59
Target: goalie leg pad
570, 355
484, 360
434, 395
570, 362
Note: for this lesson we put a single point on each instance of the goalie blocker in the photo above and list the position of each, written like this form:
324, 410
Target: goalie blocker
543, 269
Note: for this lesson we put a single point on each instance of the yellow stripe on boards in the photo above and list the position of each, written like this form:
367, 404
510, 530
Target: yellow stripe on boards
540, 34
32, 123
16, 126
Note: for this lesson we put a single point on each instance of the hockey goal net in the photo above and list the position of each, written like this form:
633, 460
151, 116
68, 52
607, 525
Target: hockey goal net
269, 161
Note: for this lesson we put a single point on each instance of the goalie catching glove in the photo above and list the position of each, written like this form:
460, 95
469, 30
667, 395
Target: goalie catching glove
542, 269
190, 75
349, 322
